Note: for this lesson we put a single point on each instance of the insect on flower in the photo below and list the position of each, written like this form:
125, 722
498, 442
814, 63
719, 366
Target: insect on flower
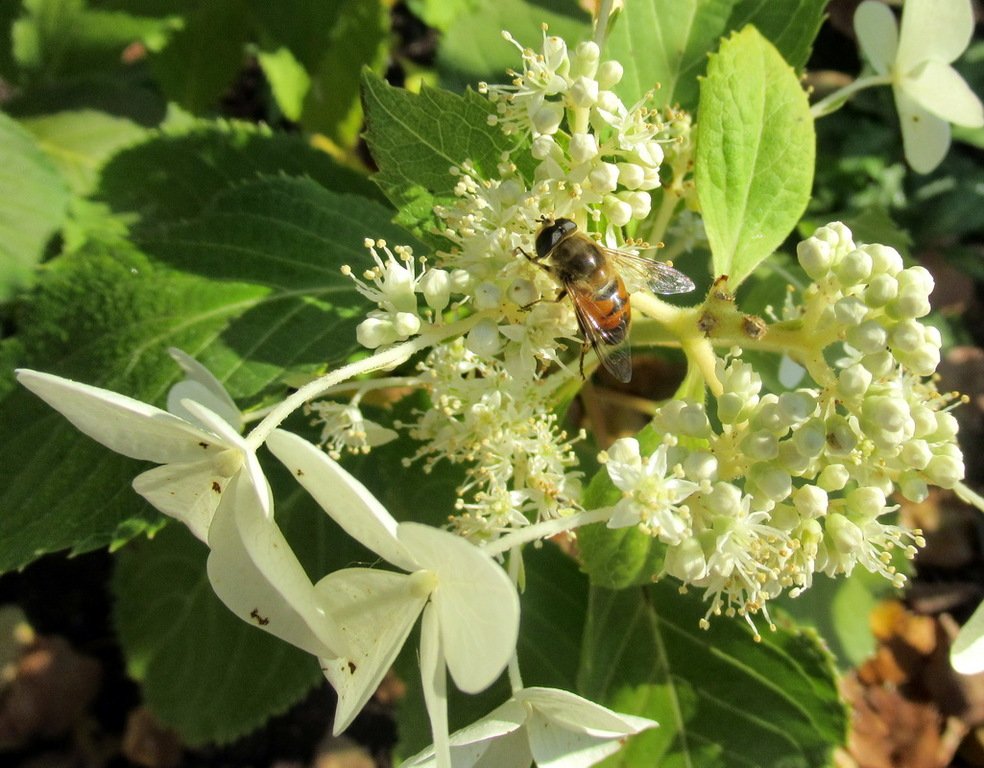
592, 276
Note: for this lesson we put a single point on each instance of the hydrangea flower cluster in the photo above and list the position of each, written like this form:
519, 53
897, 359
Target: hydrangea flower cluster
765, 490
750, 492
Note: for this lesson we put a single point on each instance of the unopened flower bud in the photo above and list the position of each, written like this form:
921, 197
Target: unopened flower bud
850, 310
700, 465
435, 284
844, 535
630, 175
640, 203
522, 292
604, 178
618, 212
881, 290
854, 268
586, 57
880, 364
810, 501
406, 324
885, 260
916, 453
854, 380
866, 502
584, 92
833, 477
487, 296
772, 482
548, 117
583, 147
374, 332
609, 74
484, 339
945, 470
542, 146
869, 337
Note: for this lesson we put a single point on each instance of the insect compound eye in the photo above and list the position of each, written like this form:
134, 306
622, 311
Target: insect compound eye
551, 234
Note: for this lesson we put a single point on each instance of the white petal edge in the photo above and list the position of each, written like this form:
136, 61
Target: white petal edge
122, 424
967, 652
255, 574
498, 739
933, 29
375, 611
578, 713
925, 137
189, 492
347, 501
202, 386
877, 33
434, 682
476, 602
938, 88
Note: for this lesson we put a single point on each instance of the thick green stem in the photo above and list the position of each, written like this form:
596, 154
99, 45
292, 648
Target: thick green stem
834, 101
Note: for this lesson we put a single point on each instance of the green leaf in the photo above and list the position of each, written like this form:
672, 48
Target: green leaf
202, 671
755, 153
415, 140
721, 699
473, 50
289, 82
80, 143
665, 43
441, 13
201, 60
179, 174
359, 37
32, 205
64, 37
790, 25
252, 287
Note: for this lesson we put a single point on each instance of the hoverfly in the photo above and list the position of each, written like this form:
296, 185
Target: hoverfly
592, 276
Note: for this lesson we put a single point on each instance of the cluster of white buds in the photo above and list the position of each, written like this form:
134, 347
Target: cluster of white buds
591, 149
767, 489
393, 284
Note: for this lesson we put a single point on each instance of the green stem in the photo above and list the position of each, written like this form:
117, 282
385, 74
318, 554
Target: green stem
546, 529
388, 358
601, 23
834, 101
657, 231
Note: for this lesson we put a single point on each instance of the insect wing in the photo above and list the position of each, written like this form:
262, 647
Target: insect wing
640, 272
611, 343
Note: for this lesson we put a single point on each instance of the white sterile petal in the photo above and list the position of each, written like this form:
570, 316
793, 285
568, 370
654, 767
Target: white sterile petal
925, 137
214, 422
567, 731
967, 652
476, 602
122, 424
201, 386
434, 683
938, 88
878, 34
933, 29
575, 712
375, 611
254, 572
498, 740
345, 499
188, 492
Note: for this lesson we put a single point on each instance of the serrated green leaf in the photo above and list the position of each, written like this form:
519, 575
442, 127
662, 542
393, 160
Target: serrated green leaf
473, 50
665, 43
755, 153
32, 205
202, 671
79, 143
179, 174
252, 287
790, 25
721, 699
415, 140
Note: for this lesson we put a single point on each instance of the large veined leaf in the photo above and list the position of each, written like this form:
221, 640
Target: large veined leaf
755, 153
255, 277
721, 699
33, 201
663, 45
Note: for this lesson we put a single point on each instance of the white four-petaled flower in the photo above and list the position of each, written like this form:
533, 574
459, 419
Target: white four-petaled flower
929, 94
